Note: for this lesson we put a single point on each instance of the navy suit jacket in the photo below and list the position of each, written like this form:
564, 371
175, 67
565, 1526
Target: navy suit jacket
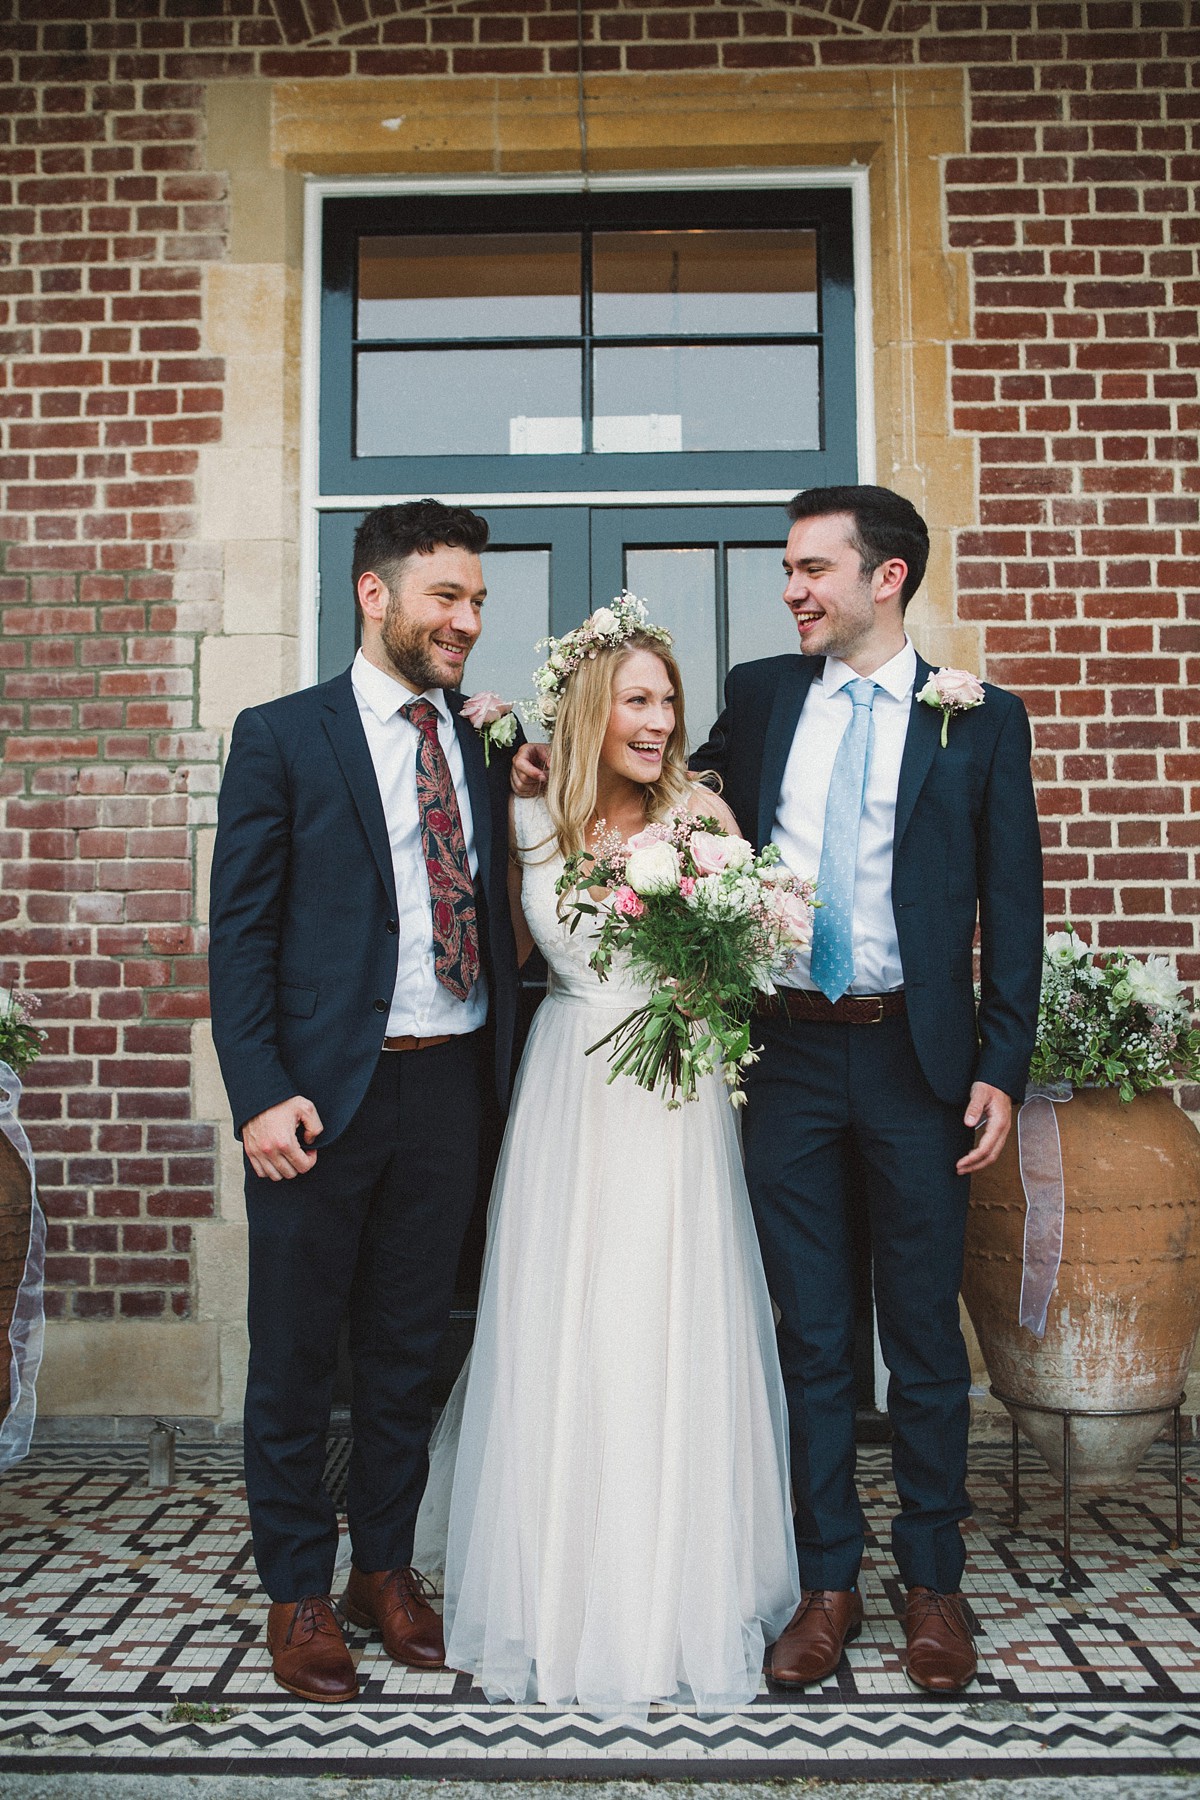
304, 933
967, 848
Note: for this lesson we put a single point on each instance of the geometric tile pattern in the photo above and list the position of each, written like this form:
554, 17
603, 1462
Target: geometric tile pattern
118, 1602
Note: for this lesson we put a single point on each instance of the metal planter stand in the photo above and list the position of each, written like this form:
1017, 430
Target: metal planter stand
1066, 1414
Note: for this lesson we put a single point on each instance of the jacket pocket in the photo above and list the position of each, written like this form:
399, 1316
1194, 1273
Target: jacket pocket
297, 1002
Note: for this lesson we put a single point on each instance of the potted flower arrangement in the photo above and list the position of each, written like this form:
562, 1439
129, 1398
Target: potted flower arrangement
1082, 1271
22, 1233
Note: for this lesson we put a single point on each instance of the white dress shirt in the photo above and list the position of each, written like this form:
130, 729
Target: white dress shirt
421, 1006
799, 828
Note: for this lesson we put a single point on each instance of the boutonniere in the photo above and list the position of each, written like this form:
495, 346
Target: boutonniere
494, 720
952, 691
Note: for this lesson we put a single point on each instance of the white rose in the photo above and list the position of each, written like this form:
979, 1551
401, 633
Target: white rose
1065, 948
604, 621
1153, 983
653, 870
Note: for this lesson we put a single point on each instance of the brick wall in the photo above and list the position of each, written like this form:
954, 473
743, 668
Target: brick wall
105, 402
1075, 205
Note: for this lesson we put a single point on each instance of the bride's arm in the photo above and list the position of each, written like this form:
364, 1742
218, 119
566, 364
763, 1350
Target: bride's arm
702, 800
521, 931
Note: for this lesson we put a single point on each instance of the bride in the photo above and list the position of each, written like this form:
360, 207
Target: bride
613, 1461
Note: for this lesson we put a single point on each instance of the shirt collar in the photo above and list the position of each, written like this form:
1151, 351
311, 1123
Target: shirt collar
897, 676
385, 695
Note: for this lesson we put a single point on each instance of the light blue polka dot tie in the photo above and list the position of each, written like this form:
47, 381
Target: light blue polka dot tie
833, 923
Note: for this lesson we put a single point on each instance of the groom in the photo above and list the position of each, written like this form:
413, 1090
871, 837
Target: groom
876, 1043
361, 944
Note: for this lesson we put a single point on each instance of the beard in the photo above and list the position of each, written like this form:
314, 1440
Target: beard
410, 652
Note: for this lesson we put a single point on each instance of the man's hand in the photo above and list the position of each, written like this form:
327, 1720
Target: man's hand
270, 1141
528, 773
991, 1108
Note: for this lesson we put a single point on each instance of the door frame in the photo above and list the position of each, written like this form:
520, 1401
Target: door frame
318, 189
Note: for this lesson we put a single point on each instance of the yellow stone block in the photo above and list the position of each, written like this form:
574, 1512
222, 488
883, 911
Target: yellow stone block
245, 308
138, 1366
236, 672
260, 585
242, 493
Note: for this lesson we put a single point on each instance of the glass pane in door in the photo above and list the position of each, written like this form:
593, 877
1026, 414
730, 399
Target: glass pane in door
759, 623
514, 285
516, 614
698, 283
680, 589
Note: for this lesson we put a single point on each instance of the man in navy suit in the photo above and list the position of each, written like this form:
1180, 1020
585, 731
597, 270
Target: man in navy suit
364, 986
875, 1043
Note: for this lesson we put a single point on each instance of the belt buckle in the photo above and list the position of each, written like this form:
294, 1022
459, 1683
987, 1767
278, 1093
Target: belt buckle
878, 1019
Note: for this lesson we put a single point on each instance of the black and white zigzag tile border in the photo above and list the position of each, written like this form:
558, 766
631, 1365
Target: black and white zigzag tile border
946, 1738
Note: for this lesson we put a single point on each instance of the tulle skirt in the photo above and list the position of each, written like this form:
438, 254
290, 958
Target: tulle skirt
609, 1481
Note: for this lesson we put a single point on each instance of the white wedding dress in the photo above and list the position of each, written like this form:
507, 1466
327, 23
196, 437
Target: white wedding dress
619, 1526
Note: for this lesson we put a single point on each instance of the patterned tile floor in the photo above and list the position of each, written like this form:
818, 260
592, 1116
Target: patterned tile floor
118, 1603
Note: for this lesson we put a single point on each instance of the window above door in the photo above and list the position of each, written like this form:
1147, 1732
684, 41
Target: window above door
587, 342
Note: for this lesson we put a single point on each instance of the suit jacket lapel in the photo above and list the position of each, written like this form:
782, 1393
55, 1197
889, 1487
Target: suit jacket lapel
471, 745
349, 740
790, 696
920, 748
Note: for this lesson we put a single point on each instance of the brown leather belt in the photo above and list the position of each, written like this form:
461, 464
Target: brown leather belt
805, 1005
416, 1043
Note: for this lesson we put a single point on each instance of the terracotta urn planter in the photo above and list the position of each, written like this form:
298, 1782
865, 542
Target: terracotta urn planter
1123, 1318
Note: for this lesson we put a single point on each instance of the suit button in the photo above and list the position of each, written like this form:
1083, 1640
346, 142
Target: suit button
381, 1006
392, 925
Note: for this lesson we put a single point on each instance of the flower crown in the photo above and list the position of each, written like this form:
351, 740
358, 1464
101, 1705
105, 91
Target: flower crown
604, 629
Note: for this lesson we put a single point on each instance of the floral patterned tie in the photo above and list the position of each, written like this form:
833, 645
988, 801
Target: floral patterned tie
451, 893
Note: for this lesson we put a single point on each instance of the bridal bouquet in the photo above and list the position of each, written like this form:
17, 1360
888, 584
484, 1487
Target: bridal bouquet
704, 921
1116, 1022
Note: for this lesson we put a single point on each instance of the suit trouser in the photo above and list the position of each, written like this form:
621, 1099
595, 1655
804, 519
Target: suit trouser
373, 1230
817, 1089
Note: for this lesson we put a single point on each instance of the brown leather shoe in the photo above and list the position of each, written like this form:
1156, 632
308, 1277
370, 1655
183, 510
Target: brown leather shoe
395, 1602
811, 1647
941, 1648
308, 1652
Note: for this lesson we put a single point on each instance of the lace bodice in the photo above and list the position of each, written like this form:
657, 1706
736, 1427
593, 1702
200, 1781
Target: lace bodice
566, 953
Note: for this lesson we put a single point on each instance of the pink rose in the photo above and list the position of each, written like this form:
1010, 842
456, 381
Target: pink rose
712, 855
794, 914
626, 902
687, 886
484, 709
955, 688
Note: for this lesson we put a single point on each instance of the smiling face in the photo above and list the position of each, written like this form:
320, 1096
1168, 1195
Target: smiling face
641, 719
422, 631
840, 611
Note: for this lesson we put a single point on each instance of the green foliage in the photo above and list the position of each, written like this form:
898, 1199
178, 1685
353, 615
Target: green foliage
20, 1039
1114, 1022
199, 1712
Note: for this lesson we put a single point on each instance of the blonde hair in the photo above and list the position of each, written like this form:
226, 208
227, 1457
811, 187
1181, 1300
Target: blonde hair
579, 728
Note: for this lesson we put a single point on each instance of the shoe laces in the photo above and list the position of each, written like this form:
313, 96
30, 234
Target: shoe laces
925, 1601
409, 1584
819, 1600
313, 1617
